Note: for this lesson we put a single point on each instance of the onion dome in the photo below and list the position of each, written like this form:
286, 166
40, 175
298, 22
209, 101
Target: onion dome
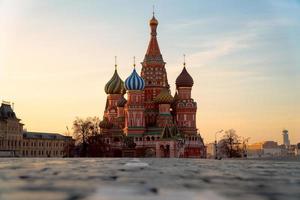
164, 97
153, 21
184, 79
115, 85
105, 123
123, 90
134, 82
121, 102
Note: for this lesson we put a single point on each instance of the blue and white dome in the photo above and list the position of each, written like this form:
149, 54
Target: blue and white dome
134, 82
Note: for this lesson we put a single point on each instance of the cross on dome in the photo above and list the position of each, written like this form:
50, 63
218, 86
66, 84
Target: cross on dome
134, 62
116, 63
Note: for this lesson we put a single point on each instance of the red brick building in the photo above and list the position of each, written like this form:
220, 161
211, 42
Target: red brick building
159, 124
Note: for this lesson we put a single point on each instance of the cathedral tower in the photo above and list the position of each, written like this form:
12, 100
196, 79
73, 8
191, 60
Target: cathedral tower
114, 89
186, 107
134, 108
164, 100
154, 74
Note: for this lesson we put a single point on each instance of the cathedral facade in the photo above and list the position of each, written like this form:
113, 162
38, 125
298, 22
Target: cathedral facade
156, 123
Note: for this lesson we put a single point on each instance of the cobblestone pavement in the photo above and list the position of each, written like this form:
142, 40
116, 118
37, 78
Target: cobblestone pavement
97, 179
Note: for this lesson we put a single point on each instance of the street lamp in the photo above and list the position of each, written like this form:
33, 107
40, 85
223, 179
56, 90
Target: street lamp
180, 144
216, 144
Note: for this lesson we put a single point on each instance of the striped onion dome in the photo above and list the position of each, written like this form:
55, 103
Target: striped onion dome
115, 85
164, 97
134, 82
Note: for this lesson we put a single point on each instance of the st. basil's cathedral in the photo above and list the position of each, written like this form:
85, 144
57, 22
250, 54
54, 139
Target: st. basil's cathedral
157, 123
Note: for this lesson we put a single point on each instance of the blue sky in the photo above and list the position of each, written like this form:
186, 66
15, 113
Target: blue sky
243, 55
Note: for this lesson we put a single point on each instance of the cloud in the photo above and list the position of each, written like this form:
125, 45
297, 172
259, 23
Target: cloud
219, 48
226, 49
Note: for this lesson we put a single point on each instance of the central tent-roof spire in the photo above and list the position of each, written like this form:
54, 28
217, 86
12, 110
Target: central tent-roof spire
153, 10
153, 51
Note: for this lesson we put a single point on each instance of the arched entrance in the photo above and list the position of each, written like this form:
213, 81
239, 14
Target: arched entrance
150, 152
165, 151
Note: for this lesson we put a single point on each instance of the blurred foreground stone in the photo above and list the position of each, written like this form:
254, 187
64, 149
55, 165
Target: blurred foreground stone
125, 178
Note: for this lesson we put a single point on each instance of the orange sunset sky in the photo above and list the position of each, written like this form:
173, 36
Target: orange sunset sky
56, 57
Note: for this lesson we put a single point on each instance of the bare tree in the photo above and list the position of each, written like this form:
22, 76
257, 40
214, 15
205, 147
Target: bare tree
230, 144
97, 147
83, 130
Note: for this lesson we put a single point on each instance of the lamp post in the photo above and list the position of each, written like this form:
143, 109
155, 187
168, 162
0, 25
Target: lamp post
216, 144
245, 142
180, 144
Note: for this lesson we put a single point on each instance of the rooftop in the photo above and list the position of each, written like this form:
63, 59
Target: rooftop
40, 135
6, 111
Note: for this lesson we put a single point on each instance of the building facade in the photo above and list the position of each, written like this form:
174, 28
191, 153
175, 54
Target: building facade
271, 149
15, 142
160, 124
37, 144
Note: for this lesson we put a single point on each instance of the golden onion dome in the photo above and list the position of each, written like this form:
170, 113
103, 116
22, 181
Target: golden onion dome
164, 97
153, 21
115, 85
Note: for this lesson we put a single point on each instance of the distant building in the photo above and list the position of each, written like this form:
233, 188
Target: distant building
297, 150
265, 149
291, 150
211, 150
45, 145
255, 150
271, 148
14, 142
11, 132
270, 145
286, 140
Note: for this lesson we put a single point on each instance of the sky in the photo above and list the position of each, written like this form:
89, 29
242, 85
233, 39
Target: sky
57, 55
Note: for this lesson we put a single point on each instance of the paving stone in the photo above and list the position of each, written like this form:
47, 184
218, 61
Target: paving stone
125, 178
